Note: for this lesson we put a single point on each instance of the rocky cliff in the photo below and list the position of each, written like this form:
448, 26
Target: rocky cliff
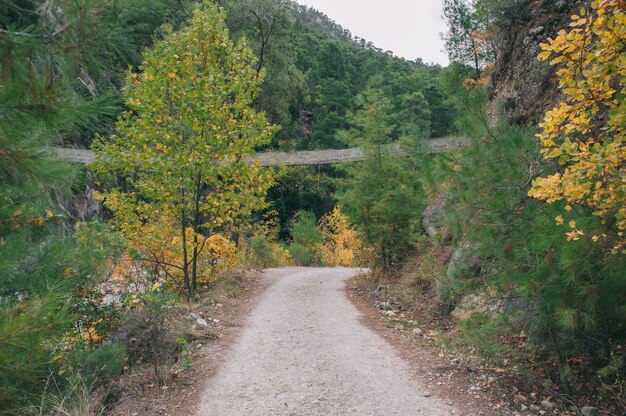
521, 85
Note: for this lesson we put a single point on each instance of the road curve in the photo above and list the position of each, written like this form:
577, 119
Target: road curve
304, 351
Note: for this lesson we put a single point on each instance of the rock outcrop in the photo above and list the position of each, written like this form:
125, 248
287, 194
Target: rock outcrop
521, 85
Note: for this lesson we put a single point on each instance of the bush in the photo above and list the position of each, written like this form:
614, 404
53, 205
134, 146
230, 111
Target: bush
144, 331
25, 362
306, 239
105, 362
569, 295
147, 340
343, 245
266, 253
44, 298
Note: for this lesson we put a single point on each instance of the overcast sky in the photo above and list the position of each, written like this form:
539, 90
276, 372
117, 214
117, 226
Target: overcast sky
409, 28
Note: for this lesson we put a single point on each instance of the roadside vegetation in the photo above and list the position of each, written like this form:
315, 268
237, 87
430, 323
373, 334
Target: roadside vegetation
525, 225
515, 241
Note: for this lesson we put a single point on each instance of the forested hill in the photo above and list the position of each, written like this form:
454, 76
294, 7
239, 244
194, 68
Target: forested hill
316, 72
513, 247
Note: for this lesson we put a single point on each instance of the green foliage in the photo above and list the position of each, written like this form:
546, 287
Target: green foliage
383, 196
184, 145
144, 334
61, 67
570, 296
185, 353
43, 298
266, 253
486, 334
306, 239
26, 328
267, 26
303, 188
103, 363
315, 71
470, 36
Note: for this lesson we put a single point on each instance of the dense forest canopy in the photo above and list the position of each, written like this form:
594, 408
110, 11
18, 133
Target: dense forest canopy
528, 220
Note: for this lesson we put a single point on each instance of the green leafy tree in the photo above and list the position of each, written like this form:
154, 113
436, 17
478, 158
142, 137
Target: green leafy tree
469, 37
184, 146
267, 26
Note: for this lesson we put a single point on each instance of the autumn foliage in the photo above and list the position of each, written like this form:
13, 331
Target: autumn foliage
183, 150
343, 245
586, 132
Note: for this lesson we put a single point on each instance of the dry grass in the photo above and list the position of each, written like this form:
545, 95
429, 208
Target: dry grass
76, 399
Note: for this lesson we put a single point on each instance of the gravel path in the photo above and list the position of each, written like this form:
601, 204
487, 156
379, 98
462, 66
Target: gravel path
303, 351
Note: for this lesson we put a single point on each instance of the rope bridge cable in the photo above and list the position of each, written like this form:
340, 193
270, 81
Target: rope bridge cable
306, 157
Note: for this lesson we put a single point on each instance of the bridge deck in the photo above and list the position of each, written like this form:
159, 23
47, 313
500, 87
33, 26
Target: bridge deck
308, 157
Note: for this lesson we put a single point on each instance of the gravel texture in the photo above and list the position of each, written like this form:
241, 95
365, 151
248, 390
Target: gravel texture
304, 351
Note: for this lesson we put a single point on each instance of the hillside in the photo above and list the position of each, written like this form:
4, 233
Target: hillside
495, 269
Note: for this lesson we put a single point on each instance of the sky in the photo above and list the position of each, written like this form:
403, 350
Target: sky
409, 28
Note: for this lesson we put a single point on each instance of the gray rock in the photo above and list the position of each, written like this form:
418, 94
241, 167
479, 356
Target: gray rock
191, 317
203, 323
463, 262
561, 4
548, 405
426, 394
462, 259
536, 31
431, 218
384, 306
589, 411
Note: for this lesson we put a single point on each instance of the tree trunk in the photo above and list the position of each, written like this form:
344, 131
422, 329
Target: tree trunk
183, 229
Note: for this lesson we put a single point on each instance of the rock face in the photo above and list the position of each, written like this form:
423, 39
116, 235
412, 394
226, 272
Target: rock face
432, 220
463, 262
81, 206
463, 259
521, 85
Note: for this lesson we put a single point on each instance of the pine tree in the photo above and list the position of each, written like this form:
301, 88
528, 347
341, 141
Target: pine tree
60, 66
382, 195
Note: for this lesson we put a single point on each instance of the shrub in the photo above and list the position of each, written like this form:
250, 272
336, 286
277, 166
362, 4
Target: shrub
105, 362
570, 296
144, 332
266, 253
307, 239
343, 245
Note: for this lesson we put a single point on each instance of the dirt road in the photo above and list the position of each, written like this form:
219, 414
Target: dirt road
303, 351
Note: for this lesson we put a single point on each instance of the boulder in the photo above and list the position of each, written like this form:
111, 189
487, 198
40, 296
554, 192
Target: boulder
463, 263
432, 217
589, 411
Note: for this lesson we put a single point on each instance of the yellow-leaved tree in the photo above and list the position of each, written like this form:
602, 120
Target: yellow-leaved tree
177, 173
343, 245
585, 133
